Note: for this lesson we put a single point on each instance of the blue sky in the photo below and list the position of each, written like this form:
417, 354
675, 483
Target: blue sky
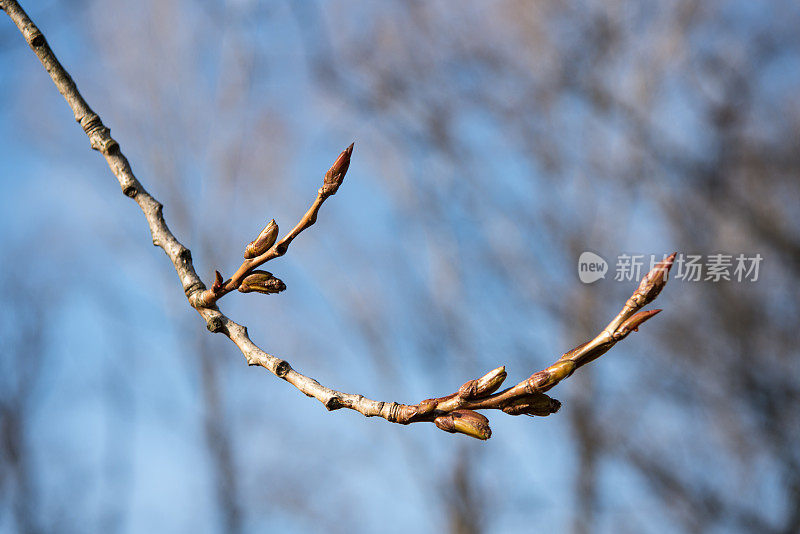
117, 425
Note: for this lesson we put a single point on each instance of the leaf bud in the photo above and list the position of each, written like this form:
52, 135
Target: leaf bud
261, 282
534, 404
263, 242
483, 386
465, 422
335, 175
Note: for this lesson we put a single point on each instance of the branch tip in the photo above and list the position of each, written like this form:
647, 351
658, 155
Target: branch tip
653, 282
335, 175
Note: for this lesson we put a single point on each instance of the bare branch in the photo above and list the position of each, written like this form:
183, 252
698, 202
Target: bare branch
453, 413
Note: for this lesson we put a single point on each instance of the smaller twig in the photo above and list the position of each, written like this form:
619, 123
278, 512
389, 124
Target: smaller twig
264, 248
455, 412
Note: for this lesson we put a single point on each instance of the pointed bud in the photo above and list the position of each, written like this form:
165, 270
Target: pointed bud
335, 175
263, 242
535, 404
217, 285
261, 282
654, 281
483, 386
465, 422
633, 323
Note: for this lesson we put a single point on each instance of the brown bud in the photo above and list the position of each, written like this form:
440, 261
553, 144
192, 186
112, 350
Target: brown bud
534, 404
538, 381
547, 378
465, 422
264, 240
654, 281
335, 175
261, 282
426, 407
217, 285
483, 386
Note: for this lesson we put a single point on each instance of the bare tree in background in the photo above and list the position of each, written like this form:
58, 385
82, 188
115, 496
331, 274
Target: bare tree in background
688, 110
232, 149
21, 357
606, 112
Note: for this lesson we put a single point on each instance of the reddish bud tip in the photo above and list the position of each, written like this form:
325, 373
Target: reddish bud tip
666, 263
335, 175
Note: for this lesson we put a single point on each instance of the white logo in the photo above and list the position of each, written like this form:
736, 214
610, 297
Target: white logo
591, 267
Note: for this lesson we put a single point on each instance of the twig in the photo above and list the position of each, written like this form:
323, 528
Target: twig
264, 248
452, 413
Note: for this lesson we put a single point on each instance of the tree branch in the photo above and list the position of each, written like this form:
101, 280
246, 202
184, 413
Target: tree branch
452, 413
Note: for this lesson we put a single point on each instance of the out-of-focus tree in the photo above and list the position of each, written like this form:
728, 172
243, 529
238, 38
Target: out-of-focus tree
602, 126
21, 359
501, 140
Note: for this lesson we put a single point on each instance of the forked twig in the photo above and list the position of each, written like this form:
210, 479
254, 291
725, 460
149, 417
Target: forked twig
452, 413
264, 248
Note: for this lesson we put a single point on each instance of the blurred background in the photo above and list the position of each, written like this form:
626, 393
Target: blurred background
494, 142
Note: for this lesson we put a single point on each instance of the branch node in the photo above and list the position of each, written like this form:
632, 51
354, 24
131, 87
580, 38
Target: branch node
37, 40
282, 369
185, 255
194, 287
426, 407
99, 135
215, 324
394, 412
333, 403
130, 191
